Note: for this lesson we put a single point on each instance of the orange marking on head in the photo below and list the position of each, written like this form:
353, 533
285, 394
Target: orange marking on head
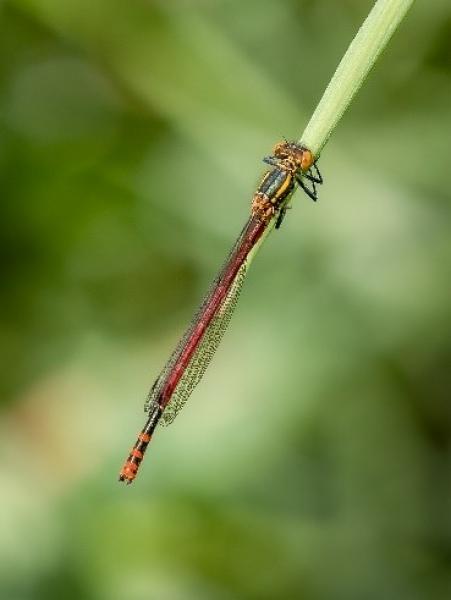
144, 437
279, 149
302, 157
307, 159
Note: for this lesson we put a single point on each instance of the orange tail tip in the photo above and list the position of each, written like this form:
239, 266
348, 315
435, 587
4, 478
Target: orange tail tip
128, 472
134, 459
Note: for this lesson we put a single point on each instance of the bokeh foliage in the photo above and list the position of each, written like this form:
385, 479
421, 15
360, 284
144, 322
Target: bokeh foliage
314, 459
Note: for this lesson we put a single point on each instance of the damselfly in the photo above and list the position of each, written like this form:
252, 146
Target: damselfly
292, 164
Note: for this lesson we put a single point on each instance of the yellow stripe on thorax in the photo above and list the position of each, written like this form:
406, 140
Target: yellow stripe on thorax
283, 188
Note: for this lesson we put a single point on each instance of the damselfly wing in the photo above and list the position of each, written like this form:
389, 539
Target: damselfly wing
202, 355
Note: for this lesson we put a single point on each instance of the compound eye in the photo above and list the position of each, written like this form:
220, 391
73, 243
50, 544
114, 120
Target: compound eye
307, 159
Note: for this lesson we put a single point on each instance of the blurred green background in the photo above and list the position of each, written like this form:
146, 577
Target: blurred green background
313, 461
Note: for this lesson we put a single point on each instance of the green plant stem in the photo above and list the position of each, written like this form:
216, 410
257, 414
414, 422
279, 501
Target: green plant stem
355, 65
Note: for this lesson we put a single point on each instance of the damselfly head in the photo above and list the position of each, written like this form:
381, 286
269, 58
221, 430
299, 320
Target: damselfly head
300, 155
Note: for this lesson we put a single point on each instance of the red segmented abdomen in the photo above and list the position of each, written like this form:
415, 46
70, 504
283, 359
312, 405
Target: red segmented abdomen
166, 387
253, 232
131, 465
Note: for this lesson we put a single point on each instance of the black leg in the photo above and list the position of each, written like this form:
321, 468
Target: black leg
311, 193
315, 178
281, 216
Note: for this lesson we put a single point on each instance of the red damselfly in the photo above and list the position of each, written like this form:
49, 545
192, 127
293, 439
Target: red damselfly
292, 164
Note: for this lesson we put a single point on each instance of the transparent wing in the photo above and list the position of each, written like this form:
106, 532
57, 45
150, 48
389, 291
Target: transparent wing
201, 357
205, 352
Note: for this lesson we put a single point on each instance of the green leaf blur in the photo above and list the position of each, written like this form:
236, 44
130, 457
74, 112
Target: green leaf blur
313, 461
